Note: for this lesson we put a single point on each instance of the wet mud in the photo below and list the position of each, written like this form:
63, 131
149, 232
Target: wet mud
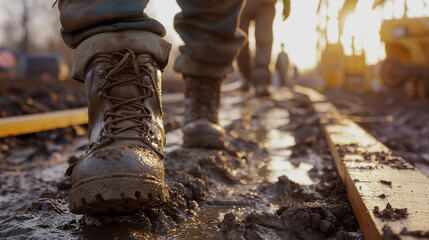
388, 234
390, 213
274, 180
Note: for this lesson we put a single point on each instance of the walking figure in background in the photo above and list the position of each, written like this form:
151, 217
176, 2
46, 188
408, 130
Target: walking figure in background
282, 65
119, 55
295, 76
257, 71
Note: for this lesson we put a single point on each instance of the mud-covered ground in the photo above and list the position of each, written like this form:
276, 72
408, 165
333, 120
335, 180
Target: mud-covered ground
401, 123
27, 96
275, 180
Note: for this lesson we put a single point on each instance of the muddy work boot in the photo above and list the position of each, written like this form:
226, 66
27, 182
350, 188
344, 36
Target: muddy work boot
261, 87
261, 79
202, 101
123, 169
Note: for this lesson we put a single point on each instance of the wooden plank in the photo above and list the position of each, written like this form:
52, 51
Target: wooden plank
31, 123
363, 164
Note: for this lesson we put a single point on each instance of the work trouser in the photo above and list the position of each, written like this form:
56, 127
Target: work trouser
262, 13
208, 28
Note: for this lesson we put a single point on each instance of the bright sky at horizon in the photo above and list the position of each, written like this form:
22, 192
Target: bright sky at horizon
298, 32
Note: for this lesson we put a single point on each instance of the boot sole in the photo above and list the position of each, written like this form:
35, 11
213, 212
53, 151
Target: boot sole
117, 195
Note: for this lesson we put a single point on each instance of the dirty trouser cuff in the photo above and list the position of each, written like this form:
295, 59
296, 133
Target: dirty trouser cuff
138, 41
188, 65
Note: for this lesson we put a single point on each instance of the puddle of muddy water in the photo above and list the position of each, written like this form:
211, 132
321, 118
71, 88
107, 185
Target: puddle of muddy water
204, 225
265, 131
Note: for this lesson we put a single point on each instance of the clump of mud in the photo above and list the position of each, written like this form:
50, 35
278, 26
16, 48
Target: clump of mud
308, 220
418, 234
388, 234
318, 212
285, 187
390, 213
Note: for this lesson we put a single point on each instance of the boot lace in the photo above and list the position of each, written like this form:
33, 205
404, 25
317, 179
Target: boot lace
119, 63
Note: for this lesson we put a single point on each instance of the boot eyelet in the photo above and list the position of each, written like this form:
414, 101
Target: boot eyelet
101, 73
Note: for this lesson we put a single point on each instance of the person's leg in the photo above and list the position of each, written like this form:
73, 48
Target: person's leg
282, 79
285, 78
261, 75
119, 54
212, 39
243, 59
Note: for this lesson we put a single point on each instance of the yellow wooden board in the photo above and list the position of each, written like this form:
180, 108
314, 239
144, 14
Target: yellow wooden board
365, 166
31, 123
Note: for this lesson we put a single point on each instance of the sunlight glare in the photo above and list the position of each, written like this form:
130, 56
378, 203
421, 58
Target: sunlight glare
399, 10
361, 32
387, 10
164, 11
298, 33
418, 8
332, 25
333, 31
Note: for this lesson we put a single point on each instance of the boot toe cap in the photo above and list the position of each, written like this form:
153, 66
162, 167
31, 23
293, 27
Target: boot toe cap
118, 161
203, 133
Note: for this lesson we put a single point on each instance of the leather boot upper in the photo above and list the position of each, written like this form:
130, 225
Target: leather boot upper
202, 102
125, 118
202, 99
124, 99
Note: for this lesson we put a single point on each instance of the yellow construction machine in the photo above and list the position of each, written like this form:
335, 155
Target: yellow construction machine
337, 68
407, 55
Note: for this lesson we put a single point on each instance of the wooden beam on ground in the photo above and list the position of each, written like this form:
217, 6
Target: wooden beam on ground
373, 175
31, 123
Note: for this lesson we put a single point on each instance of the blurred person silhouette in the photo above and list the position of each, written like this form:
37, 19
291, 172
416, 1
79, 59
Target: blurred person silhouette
282, 65
295, 78
256, 71
119, 56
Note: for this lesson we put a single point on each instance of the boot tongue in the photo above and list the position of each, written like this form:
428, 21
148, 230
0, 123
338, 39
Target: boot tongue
126, 92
